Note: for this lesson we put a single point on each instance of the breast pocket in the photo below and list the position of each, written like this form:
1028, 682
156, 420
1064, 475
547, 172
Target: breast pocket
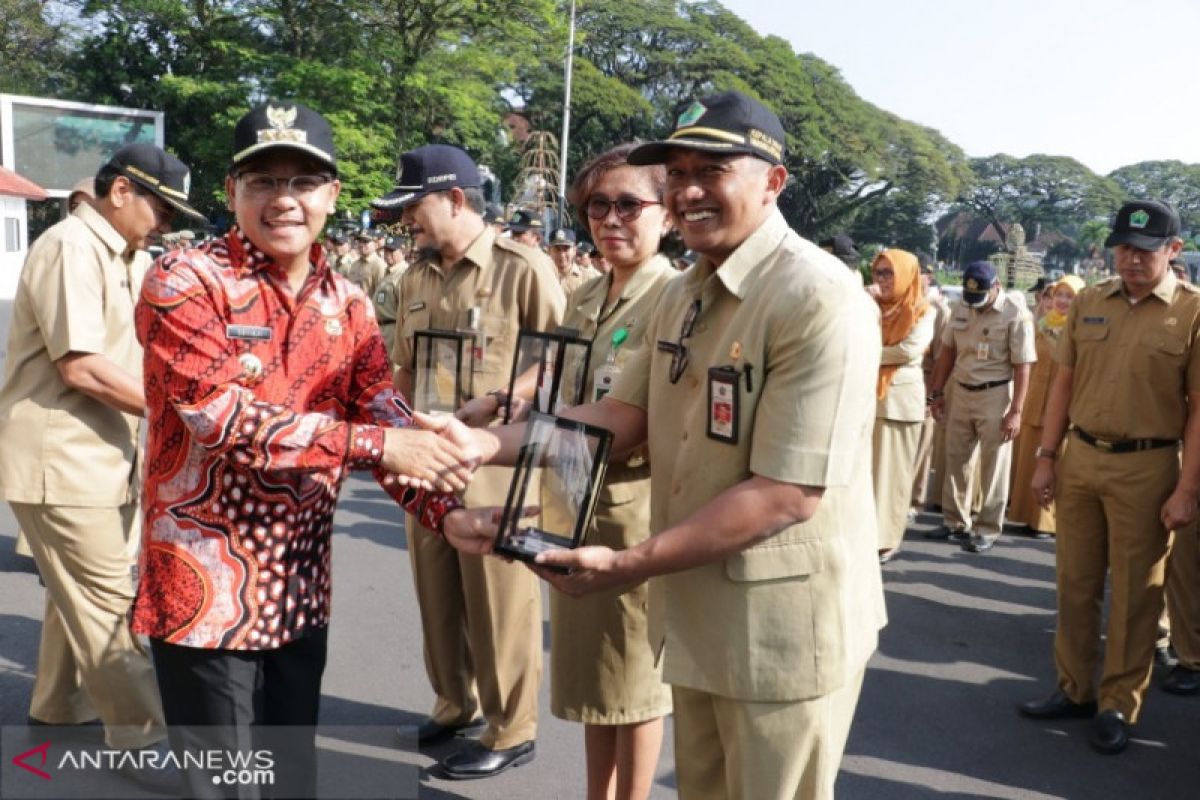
501, 339
1160, 354
414, 321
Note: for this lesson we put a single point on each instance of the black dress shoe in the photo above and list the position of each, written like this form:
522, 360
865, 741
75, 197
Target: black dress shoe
977, 545
1057, 706
430, 731
1110, 732
943, 533
476, 761
1182, 680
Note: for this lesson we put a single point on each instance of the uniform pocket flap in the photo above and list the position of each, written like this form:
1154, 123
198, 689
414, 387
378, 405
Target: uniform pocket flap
773, 561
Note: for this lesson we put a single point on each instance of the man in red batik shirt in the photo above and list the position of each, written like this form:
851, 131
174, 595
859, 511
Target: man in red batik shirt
266, 382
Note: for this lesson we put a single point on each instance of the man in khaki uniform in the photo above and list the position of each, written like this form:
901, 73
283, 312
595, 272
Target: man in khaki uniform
70, 410
1128, 388
755, 388
482, 618
562, 252
527, 228
386, 294
342, 255
369, 267
987, 350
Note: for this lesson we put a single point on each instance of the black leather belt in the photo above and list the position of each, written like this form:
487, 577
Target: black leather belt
979, 387
1124, 445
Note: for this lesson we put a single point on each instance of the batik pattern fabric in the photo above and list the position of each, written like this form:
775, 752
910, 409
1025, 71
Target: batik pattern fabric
259, 402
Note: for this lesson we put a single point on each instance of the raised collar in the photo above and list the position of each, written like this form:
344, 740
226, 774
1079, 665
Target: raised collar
592, 304
246, 258
1165, 290
745, 260
103, 229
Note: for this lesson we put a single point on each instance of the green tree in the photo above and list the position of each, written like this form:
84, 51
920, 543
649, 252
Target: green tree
32, 48
1173, 181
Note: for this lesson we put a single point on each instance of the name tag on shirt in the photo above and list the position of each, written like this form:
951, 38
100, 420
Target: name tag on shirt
250, 333
417, 306
1095, 320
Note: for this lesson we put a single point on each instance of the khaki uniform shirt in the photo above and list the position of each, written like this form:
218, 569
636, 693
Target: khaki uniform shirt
796, 616
591, 315
76, 295
1133, 363
989, 342
576, 276
905, 398
512, 285
366, 272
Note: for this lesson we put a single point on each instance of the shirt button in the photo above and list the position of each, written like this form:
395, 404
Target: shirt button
685, 436
676, 489
693, 381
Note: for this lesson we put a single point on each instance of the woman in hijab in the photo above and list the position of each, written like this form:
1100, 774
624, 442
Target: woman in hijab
1023, 508
900, 390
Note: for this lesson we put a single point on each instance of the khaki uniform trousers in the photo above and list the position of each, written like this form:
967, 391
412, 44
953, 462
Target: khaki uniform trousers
89, 663
1108, 506
729, 749
1183, 595
924, 460
893, 457
482, 623
974, 424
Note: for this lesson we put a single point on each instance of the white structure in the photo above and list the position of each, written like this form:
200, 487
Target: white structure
14, 191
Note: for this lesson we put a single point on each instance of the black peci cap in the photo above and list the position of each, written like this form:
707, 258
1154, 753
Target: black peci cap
276, 125
428, 169
523, 220
1144, 224
730, 122
157, 171
562, 237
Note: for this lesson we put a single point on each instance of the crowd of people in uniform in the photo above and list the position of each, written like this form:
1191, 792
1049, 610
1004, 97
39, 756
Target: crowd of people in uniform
731, 574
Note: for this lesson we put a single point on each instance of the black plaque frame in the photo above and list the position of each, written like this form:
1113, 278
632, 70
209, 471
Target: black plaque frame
528, 464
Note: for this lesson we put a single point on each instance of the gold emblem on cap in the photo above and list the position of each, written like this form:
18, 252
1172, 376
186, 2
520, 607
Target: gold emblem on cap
333, 326
735, 351
281, 130
1171, 322
252, 368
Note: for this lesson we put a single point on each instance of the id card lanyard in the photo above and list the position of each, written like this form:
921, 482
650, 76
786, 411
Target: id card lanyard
605, 377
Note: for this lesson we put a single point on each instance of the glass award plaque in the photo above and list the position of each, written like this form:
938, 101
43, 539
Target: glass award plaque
555, 484
443, 367
560, 363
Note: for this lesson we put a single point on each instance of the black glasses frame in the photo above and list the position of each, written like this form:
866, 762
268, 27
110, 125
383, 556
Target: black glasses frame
628, 208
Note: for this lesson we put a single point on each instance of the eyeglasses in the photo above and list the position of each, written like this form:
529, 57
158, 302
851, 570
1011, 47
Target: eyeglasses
883, 274
628, 208
260, 184
678, 350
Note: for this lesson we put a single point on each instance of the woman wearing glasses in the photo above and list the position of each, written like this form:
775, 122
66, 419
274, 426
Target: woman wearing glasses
602, 667
900, 389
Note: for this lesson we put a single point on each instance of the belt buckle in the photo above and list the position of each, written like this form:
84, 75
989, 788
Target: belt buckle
1103, 445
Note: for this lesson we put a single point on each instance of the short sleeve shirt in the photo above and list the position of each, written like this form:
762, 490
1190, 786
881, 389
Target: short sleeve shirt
514, 287
792, 617
76, 294
1133, 363
989, 342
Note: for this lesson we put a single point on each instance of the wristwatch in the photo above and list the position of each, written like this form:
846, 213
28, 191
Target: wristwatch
1042, 452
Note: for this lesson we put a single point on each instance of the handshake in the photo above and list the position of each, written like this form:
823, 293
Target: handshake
438, 453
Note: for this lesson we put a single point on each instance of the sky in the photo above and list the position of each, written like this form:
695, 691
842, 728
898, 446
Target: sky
1107, 82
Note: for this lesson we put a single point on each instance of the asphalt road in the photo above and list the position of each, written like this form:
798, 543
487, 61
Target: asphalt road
969, 637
